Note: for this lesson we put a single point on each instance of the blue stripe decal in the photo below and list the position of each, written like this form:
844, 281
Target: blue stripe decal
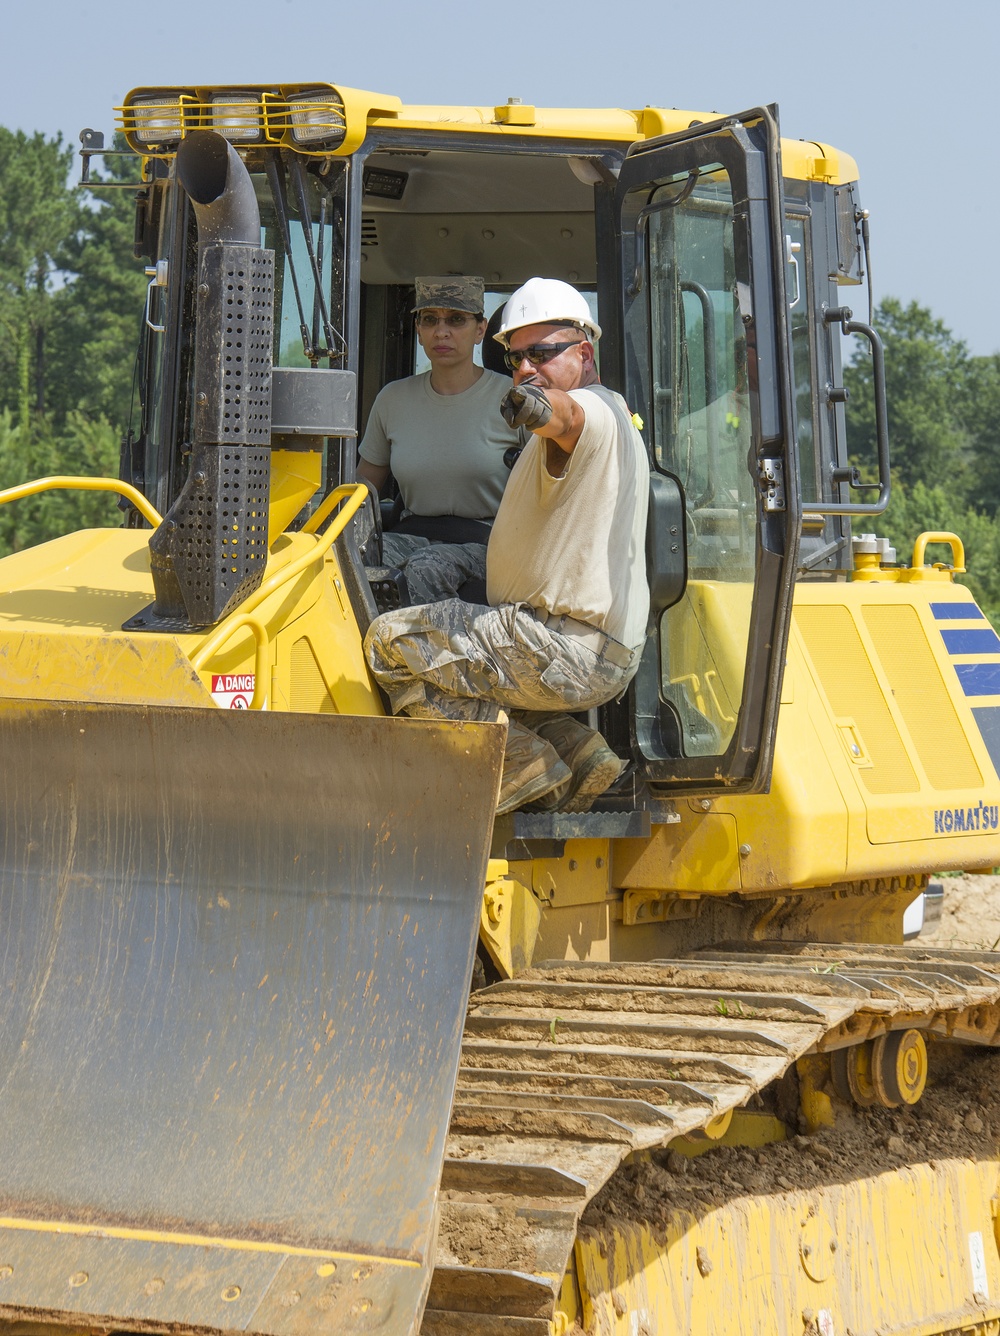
979, 679
977, 641
956, 612
988, 719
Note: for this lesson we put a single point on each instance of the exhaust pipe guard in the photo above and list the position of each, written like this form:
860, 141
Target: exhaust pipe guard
210, 551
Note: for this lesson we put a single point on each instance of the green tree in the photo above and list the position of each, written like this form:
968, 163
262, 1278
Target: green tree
71, 298
926, 372
87, 447
38, 214
981, 410
100, 310
924, 508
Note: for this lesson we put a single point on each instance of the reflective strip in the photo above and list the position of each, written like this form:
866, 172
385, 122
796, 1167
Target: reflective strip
954, 611
979, 679
973, 641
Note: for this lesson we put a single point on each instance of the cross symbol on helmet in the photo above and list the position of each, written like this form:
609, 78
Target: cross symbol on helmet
524, 309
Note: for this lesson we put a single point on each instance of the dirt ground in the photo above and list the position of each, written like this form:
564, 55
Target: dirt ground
956, 1115
970, 913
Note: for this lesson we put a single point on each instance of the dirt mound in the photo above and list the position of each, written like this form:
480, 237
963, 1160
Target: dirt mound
970, 913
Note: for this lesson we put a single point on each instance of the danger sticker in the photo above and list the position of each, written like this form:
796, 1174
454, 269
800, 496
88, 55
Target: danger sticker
232, 691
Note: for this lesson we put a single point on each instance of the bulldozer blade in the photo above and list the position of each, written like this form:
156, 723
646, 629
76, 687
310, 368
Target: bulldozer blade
235, 952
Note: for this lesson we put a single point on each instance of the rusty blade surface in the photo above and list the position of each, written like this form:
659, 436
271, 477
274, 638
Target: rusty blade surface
235, 951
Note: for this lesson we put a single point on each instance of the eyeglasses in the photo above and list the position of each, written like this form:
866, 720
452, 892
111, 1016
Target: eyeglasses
454, 320
538, 353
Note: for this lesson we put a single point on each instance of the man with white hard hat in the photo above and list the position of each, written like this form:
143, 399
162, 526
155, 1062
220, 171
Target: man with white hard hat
566, 572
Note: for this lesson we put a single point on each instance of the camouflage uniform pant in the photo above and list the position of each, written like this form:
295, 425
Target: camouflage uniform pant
434, 571
458, 660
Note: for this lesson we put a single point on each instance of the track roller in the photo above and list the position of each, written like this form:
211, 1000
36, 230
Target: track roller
851, 1069
899, 1067
889, 1071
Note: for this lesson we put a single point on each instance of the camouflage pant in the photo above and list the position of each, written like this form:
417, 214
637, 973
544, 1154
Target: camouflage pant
434, 571
458, 660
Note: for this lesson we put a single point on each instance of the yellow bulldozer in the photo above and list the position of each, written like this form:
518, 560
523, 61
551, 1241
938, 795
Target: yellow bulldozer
295, 1035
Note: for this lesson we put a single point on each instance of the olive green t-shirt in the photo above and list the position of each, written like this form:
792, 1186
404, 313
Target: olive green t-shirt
576, 545
445, 450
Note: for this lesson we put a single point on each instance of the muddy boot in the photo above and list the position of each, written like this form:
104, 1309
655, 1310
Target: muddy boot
531, 768
593, 764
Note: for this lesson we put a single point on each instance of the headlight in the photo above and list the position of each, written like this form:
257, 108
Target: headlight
317, 117
237, 116
156, 120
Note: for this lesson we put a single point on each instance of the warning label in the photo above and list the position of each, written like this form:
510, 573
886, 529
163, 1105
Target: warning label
232, 691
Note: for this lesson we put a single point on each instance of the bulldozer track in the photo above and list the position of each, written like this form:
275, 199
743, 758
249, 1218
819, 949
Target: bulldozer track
572, 1067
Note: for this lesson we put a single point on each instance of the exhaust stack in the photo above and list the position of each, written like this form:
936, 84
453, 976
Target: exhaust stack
210, 551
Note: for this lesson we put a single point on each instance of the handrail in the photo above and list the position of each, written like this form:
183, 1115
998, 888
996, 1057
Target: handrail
354, 495
323, 543
326, 506
237, 622
67, 482
843, 316
940, 536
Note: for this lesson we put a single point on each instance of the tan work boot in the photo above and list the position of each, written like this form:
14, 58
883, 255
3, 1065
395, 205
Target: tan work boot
593, 764
531, 768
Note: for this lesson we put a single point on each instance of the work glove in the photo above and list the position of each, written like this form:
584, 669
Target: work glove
526, 406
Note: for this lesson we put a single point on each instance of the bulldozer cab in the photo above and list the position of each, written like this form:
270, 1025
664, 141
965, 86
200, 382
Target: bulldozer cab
707, 276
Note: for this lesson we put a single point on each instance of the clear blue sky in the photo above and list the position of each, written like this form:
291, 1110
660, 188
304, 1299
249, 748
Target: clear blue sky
909, 90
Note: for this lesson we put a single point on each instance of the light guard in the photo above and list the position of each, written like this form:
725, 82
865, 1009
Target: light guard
316, 118
237, 116
158, 120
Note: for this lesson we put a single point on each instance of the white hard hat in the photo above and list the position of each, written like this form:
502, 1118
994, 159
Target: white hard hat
546, 301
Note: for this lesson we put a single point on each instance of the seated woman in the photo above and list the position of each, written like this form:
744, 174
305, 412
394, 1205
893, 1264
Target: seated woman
442, 437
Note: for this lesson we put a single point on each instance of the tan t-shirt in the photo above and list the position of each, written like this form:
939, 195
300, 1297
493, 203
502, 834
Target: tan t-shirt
576, 545
445, 450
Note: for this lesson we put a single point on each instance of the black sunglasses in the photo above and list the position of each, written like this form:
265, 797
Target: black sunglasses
538, 353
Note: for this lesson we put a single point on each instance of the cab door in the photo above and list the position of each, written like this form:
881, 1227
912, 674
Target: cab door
704, 357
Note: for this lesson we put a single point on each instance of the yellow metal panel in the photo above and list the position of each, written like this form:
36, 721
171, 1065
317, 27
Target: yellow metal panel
309, 694
355, 111
812, 161
922, 696
849, 1257
336, 645
63, 603
509, 922
866, 664
698, 854
144, 670
914, 825
578, 932
88, 581
580, 877
295, 479
846, 674
361, 108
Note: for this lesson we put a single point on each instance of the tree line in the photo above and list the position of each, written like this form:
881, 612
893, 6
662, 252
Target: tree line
71, 303
71, 297
944, 437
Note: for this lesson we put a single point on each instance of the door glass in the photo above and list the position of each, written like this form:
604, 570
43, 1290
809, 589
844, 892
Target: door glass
702, 435
797, 286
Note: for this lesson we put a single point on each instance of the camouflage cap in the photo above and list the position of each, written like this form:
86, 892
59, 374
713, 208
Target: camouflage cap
450, 292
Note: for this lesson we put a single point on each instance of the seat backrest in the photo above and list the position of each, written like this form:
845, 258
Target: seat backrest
493, 351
